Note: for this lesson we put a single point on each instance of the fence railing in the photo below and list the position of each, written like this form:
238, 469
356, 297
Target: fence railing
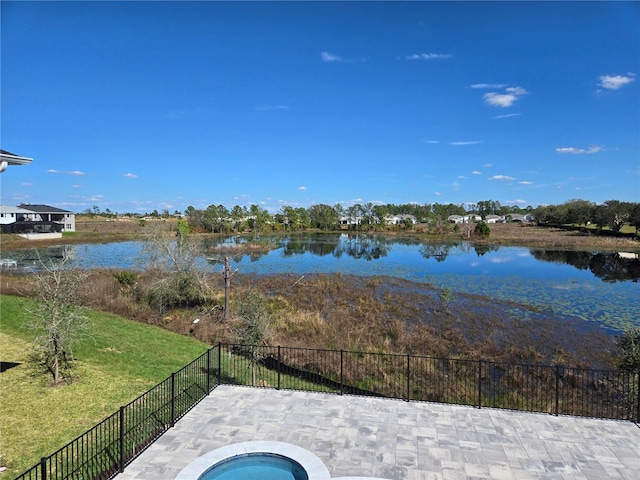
105, 450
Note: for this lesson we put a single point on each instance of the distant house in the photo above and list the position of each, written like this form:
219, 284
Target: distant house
9, 215
347, 220
464, 218
494, 219
28, 219
516, 217
401, 219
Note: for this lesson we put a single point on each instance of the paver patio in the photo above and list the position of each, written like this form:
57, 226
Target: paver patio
393, 439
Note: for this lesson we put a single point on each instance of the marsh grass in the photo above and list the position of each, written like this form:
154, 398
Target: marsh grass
380, 314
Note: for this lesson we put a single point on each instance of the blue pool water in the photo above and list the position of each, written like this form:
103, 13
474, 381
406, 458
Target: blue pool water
258, 466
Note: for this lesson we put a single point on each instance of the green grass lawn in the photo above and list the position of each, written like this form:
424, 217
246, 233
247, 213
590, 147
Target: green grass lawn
626, 229
119, 360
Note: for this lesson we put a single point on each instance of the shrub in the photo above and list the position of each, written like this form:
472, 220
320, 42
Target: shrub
446, 297
254, 319
629, 343
126, 278
482, 229
177, 291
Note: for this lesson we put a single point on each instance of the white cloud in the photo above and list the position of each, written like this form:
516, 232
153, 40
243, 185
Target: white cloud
437, 194
130, 175
431, 141
476, 172
302, 187
499, 99
488, 165
572, 150
428, 56
525, 182
503, 178
272, 107
507, 115
330, 57
614, 82
465, 143
517, 91
73, 172
487, 85
504, 99
26, 184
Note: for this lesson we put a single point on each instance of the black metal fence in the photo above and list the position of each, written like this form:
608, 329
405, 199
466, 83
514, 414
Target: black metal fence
106, 449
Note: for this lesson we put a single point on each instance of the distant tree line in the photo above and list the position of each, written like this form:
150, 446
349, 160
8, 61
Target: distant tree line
360, 217
612, 214
95, 211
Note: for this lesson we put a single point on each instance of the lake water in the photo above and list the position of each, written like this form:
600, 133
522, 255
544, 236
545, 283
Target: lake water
594, 286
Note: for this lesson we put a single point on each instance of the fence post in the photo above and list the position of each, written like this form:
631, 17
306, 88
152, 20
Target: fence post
121, 459
480, 383
408, 377
341, 373
638, 398
173, 399
557, 389
209, 370
278, 367
43, 468
219, 363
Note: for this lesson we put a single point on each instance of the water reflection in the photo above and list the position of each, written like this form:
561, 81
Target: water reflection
594, 286
438, 251
609, 266
364, 247
32, 259
482, 249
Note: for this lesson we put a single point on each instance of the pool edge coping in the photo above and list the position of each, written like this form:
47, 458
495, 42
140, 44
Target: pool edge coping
313, 466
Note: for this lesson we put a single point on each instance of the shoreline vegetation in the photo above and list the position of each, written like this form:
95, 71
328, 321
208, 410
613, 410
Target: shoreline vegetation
365, 313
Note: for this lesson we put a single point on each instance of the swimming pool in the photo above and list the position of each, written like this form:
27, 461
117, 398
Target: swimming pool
258, 459
261, 460
263, 466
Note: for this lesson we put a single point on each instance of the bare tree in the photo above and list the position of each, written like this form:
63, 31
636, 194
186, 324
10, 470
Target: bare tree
173, 254
57, 317
173, 250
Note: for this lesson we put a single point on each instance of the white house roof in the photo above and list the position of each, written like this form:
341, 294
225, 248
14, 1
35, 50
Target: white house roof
42, 209
9, 209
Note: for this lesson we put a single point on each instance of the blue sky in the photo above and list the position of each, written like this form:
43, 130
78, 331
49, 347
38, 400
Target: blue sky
136, 106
